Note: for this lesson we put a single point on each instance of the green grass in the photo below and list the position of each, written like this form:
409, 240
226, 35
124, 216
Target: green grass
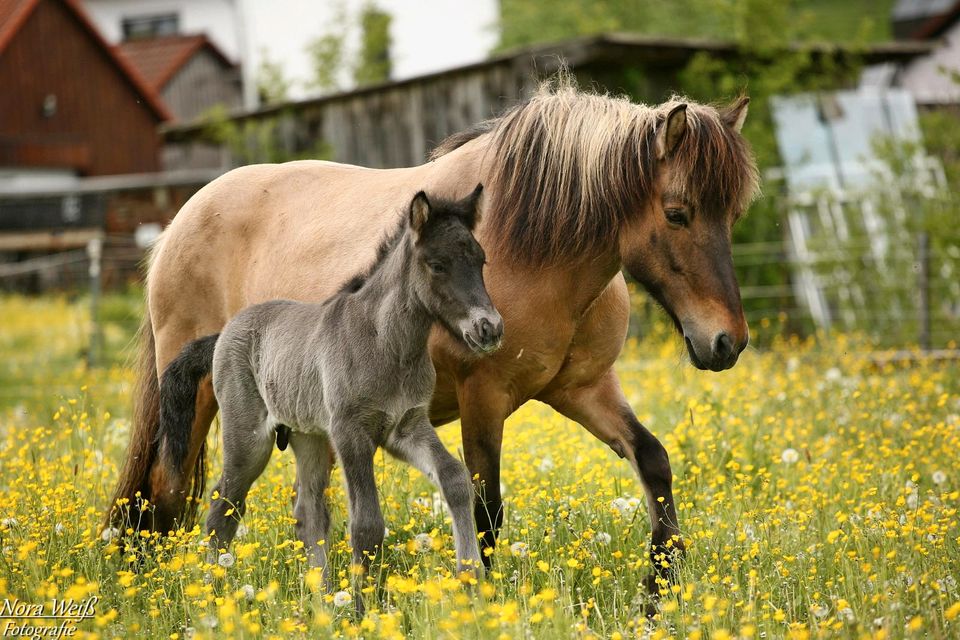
817, 492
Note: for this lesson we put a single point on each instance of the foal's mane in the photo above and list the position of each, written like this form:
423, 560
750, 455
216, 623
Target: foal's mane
439, 209
389, 241
569, 168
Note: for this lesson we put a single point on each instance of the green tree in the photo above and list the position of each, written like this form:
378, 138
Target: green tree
272, 85
327, 53
374, 63
524, 22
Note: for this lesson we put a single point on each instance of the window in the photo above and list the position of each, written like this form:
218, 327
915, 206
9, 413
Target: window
166, 24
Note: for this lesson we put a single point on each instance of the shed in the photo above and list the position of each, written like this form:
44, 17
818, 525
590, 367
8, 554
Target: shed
189, 72
396, 123
932, 78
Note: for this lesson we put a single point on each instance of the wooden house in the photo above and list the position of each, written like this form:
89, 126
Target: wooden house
189, 73
69, 105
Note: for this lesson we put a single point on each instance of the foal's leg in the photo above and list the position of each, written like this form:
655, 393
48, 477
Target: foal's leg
602, 408
247, 445
310, 509
483, 409
355, 450
416, 443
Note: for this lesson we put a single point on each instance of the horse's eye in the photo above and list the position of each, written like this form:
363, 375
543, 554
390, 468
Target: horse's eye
677, 217
437, 267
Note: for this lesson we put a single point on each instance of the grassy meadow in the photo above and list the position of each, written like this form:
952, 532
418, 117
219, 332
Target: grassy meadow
818, 492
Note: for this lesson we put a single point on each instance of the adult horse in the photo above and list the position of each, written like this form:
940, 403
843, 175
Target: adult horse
577, 187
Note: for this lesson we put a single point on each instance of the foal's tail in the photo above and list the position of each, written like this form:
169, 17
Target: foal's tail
178, 398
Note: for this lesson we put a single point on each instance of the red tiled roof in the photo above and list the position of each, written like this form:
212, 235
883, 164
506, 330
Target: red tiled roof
14, 13
159, 59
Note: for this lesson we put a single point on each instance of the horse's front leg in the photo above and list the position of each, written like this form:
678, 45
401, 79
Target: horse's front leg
355, 450
416, 443
602, 409
483, 409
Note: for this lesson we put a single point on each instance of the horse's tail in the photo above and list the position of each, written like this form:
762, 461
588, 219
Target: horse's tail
134, 478
178, 398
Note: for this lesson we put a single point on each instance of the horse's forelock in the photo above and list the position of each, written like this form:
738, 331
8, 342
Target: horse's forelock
569, 168
713, 166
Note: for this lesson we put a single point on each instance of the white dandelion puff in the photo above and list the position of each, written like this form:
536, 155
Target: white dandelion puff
423, 542
226, 560
790, 456
342, 598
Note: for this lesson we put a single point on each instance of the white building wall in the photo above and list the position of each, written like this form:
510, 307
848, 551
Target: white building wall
428, 35
216, 18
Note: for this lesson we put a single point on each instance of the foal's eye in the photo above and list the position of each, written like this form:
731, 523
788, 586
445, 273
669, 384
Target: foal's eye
677, 217
437, 267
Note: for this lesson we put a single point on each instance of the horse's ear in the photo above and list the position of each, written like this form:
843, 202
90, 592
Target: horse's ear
734, 115
473, 205
672, 132
419, 212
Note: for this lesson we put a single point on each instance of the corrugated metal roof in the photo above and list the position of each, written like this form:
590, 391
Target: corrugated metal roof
920, 9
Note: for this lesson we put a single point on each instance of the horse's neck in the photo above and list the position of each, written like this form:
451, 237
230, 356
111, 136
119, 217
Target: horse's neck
401, 320
577, 281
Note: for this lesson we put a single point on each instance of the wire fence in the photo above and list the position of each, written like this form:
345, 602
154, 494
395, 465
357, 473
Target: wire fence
915, 300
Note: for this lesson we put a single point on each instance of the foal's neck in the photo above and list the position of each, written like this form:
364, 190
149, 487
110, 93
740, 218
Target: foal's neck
401, 320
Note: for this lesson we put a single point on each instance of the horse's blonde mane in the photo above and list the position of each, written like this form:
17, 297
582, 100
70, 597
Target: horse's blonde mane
568, 168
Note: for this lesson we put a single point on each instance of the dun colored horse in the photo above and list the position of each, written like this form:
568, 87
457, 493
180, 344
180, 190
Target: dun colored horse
352, 373
577, 187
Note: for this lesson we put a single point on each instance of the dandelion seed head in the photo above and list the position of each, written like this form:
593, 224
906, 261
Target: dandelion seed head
790, 456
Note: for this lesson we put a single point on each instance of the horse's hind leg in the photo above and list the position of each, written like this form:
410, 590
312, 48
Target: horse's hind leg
310, 509
417, 443
171, 487
247, 445
601, 407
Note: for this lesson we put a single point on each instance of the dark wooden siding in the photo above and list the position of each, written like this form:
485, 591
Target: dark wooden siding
100, 126
201, 83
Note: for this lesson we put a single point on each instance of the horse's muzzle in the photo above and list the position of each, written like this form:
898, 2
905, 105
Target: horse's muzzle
722, 353
485, 333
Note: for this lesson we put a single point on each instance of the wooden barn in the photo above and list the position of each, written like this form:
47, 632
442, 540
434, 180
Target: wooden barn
189, 73
397, 123
69, 105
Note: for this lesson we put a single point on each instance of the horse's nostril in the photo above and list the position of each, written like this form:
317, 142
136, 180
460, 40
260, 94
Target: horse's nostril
486, 330
723, 347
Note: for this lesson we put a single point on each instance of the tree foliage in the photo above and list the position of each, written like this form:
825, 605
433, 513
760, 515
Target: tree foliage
373, 64
272, 85
524, 22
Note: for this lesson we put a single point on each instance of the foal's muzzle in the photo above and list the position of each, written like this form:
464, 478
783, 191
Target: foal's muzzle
483, 331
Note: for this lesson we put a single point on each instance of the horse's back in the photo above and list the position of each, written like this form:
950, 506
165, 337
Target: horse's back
296, 230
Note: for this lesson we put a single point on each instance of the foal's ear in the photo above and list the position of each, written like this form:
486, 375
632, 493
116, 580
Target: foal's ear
473, 206
734, 115
419, 212
672, 132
